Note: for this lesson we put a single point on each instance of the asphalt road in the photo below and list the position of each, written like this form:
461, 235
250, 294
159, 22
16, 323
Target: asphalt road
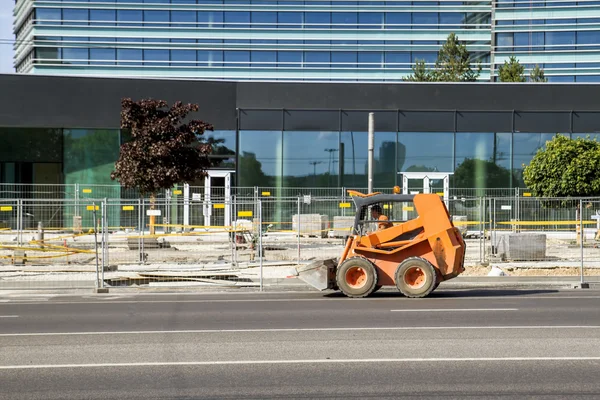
456, 344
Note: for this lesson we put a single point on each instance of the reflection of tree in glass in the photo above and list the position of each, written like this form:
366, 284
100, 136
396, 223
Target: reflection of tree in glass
251, 173
90, 149
476, 173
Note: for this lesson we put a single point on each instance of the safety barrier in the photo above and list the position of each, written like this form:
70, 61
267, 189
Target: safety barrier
234, 242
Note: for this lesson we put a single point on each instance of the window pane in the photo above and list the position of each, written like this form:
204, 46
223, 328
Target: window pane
48, 15
290, 19
76, 56
289, 59
186, 19
370, 20
184, 57
236, 58
452, 18
264, 18
370, 59
237, 19
210, 19
210, 57
75, 16
425, 19
310, 159
260, 158
317, 20
397, 20
156, 18
318, 59
344, 59
129, 17
156, 57
525, 147
482, 160
354, 158
263, 58
103, 17
129, 56
102, 56
344, 20
425, 151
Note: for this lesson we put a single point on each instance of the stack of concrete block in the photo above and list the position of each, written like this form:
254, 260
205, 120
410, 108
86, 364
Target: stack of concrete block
520, 246
311, 224
342, 226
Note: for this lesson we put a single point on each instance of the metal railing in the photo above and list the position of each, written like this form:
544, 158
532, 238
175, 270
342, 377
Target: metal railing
247, 241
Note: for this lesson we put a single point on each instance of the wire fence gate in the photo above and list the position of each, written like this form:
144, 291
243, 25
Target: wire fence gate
219, 242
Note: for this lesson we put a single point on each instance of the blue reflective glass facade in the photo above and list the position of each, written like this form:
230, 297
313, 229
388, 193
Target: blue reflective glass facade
314, 40
311, 40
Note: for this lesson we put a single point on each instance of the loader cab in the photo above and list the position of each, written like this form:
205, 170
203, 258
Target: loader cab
381, 212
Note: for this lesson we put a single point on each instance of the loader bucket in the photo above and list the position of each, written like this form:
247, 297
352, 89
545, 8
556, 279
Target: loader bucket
319, 274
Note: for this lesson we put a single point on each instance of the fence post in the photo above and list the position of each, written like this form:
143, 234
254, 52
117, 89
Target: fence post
105, 260
96, 243
481, 229
581, 236
298, 227
19, 222
142, 228
260, 243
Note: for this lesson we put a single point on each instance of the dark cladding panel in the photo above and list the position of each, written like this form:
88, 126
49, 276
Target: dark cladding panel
306, 120
268, 120
584, 122
358, 121
545, 122
426, 121
483, 121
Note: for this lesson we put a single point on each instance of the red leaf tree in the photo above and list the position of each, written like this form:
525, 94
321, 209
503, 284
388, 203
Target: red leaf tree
165, 148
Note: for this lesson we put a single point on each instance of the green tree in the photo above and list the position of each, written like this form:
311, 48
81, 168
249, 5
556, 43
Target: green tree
420, 73
537, 75
511, 71
161, 152
453, 64
565, 168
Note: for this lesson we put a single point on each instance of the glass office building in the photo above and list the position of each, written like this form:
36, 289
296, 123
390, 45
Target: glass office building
306, 40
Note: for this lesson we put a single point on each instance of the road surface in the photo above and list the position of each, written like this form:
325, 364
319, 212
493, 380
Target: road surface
456, 344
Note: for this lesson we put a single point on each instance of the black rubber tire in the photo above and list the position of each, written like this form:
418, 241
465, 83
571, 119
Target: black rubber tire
376, 289
430, 277
364, 290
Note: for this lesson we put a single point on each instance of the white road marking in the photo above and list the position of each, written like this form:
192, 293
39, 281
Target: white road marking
276, 330
455, 309
9, 316
398, 298
316, 361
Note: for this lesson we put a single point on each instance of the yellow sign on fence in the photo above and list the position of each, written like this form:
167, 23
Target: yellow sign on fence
266, 193
87, 190
344, 205
527, 194
408, 208
128, 208
177, 192
244, 213
91, 208
219, 205
6, 208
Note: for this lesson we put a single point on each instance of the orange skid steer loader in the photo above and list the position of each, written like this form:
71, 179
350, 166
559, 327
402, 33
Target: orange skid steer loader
414, 250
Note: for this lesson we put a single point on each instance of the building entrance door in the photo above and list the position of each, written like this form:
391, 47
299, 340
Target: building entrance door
216, 205
426, 182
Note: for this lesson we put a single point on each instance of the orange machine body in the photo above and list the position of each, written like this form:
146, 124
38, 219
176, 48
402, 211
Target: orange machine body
431, 235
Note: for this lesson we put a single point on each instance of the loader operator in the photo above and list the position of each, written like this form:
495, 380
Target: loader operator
377, 214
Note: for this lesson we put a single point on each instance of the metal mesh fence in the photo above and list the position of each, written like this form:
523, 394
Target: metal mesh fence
221, 241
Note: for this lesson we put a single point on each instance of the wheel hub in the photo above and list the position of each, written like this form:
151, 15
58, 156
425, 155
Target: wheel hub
415, 278
356, 277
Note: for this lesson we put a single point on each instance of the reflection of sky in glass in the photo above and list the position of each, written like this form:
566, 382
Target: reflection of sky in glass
432, 150
356, 152
307, 153
526, 145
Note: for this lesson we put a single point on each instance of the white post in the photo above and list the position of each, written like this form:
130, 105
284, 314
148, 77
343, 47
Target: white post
228, 200
371, 149
186, 206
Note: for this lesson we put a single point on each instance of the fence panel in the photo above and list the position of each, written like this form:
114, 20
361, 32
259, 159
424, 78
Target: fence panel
52, 244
